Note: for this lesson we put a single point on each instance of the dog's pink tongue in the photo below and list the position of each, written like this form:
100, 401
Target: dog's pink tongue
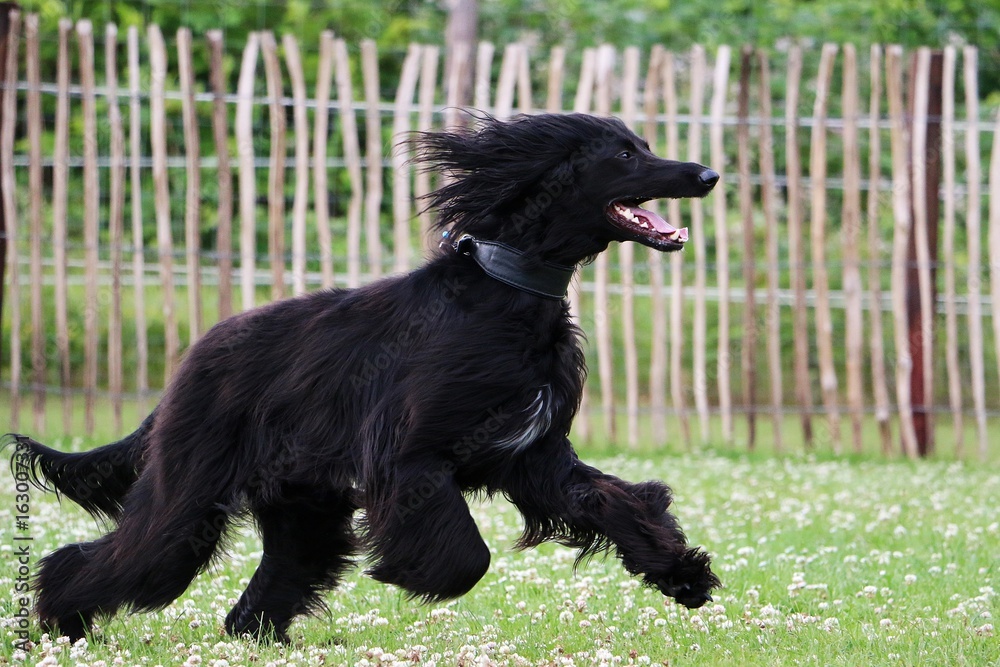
660, 225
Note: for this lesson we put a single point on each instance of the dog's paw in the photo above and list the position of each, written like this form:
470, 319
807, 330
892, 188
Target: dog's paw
686, 594
691, 581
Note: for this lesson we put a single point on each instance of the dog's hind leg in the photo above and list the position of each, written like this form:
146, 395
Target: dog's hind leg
146, 563
308, 544
422, 537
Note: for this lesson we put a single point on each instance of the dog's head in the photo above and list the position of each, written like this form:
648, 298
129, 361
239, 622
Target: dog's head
561, 187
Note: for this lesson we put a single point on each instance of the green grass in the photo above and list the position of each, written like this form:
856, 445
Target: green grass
825, 562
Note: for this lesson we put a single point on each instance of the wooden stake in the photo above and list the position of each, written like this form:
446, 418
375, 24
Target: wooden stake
457, 85
602, 303
507, 81
138, 258
769, 198
300, 204
585, 86
851, 234
373, 132
7, 184
698, 234
116, 223
483, 76
192, 208
748, 345
720, 84
973, 178
994, 242
321, 137
879, 384
34, 118
224, 214
626, 254
91, 215
60, 195
951, 312
677, 383
352, 158
401, 209
524, 81
925, 170
796, 244
164, 240
557, 65
582, 103
422, 183
247, 177
276, 164
901, 235
821, 284
659, 345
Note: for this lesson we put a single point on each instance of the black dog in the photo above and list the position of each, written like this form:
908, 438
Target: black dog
399, 398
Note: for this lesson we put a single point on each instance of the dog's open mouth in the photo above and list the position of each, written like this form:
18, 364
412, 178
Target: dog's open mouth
645, 226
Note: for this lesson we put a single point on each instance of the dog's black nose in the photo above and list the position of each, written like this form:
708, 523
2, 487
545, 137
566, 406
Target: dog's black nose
709, 177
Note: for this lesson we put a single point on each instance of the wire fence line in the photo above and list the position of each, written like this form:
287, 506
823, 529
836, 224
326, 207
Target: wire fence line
792, 260
389, 110
314, 279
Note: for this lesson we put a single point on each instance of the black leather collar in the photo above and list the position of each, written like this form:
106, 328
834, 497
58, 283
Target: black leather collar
509, 266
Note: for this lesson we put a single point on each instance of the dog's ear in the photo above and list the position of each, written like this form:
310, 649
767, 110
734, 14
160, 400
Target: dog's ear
491, 172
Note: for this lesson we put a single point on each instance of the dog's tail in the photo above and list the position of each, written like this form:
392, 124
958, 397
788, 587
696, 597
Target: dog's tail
96, 480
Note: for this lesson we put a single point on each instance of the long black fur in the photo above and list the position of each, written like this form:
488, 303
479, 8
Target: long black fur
398, 398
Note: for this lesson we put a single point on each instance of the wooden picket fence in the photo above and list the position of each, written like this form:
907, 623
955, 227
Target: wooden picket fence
801, 308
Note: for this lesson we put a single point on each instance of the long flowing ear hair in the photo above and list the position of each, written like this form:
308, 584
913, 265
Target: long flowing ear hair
493, 167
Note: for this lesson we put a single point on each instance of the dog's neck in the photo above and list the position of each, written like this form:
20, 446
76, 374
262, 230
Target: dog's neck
512, 267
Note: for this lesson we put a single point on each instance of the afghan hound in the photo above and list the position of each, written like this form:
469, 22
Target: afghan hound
398, 399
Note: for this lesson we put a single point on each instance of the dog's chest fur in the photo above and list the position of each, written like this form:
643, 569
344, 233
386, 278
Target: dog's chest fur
549, 404
532, 422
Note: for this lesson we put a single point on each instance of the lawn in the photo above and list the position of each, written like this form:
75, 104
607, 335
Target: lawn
824, 563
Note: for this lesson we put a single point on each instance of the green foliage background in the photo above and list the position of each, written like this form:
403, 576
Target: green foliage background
573, 23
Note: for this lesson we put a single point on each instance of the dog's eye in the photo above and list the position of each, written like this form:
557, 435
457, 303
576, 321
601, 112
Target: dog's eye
625, 155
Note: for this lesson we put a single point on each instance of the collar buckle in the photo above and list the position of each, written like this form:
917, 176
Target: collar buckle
462, 245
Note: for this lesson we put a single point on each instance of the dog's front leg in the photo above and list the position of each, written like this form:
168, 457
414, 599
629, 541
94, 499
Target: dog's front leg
420, 533
567, 501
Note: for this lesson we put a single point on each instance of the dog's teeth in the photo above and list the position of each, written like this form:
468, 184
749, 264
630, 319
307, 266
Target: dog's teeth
674, 235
